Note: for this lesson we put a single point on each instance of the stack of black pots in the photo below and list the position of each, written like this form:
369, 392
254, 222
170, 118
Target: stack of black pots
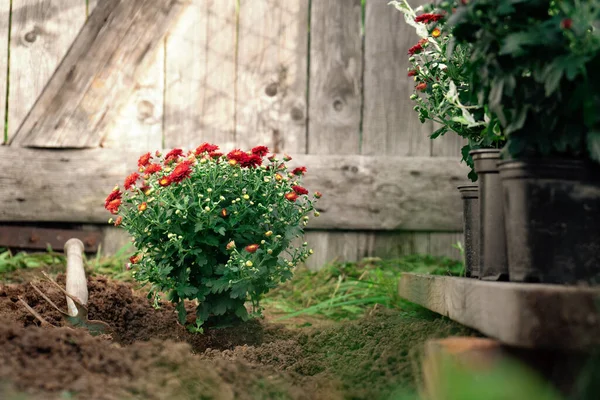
532, 220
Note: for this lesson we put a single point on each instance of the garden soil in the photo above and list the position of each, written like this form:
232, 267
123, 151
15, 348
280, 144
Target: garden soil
148, 355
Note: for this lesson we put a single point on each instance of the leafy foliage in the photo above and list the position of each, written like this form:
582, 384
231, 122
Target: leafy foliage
442, 90
213, 228
536, 65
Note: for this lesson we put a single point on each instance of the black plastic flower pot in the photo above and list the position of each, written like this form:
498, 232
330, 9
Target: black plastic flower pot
493, 263
470, 197
552, 210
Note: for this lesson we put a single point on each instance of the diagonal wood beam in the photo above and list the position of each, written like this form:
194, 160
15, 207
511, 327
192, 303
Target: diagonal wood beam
97, 75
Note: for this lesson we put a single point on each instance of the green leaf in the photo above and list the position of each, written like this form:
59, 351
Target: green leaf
593, 145
198, 226
181, 312
439, 132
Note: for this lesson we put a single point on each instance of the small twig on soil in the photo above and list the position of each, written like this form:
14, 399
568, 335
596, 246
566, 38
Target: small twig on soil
43, 322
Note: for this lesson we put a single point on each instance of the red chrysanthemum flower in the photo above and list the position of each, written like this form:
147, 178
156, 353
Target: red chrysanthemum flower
145, 188
237, 155
181, 171
291, 196
251, 248
215, 154
566, 23
299, 189
251, 161
261, 151
113, 201
164, 181
417, 48
224, 212
135, 259
143, 206
144, 160
427, 18
413, 72
286, 157
206, 148
173, 155
131, 180
317, 195
118, 220
421, 86
153, 168
272, 157
299, 171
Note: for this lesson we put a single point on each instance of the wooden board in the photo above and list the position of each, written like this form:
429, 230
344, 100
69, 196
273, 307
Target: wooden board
390, 125
271, 75
36, 238
335, 87
200, 76
4, 25
360, 192
98, 73
517, 314
41, 34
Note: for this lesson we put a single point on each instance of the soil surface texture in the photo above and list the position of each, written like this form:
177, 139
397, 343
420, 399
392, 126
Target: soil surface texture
148, 355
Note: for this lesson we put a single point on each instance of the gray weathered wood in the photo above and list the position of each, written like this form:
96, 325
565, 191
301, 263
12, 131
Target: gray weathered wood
335, 77
390, 125
200, 76
41, 34
4, 22
97, 75
359, 192
271, 75
442, 244
517, 314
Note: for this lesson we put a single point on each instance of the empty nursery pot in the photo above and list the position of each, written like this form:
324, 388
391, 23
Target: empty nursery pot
470, 197
493, 263
552, 210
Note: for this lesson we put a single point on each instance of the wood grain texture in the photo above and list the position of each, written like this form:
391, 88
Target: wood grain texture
390, 125
98, 73
200, 76
4, 23
517, 314
138, 125
335, 88
41, 34
441, 244
360, 193
271, 75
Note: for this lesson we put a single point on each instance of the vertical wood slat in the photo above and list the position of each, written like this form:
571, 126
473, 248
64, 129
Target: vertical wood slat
41, 33
336, 59
271, 75
4, 23
391, 126
138, 125
200, 76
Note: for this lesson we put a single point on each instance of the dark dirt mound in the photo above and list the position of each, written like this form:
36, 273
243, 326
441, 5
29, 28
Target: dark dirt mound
151, 356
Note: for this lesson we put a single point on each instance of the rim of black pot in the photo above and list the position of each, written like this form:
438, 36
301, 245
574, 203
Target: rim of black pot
468, 187
485, 153
555, 168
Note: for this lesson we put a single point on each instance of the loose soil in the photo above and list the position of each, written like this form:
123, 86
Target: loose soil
150, 356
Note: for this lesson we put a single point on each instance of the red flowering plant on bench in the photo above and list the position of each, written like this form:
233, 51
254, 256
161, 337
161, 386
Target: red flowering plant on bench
442, 89
213, 227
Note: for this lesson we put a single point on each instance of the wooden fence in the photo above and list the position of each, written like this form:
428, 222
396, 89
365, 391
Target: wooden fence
324, 80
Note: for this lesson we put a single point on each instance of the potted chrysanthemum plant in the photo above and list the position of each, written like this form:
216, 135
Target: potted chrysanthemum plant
218, 229
442, 95
536, 64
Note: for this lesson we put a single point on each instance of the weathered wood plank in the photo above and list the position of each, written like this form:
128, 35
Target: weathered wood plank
360, 192
41, 34
448, 145
40, 238
517, 314
271, 75
98, 73
390, 125
442, 244
4, 24
335, 77
139, 123
200, 76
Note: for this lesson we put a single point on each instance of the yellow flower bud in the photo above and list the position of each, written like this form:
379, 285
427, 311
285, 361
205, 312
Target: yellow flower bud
249, 263
246, 197
268, 233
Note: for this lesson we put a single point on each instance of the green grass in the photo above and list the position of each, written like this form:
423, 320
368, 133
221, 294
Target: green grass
346, 291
